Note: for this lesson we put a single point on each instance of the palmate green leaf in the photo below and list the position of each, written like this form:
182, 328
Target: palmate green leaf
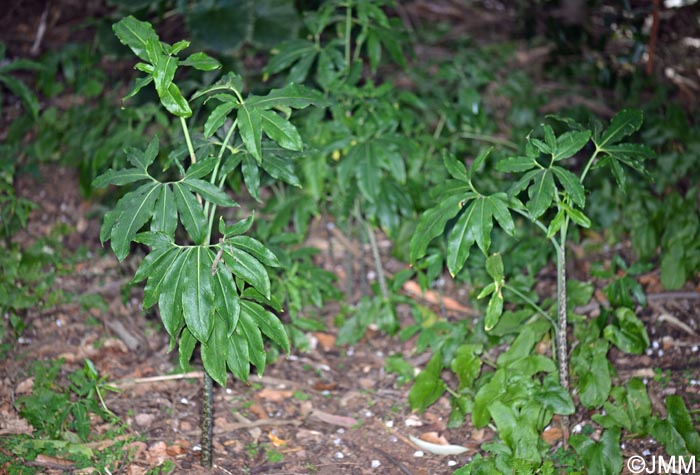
251, 176
255, 248
541, 193
138, 85
454, 167
248, 268
120, 177
164, 68
165, 212
217, 118
594, 385
486, 395
516, 164
280, 168
462, 237
494, 267
680, 419
624, 123
499, 207
174, 102
228, 83
225, 294
135, 34
467, 365
143, 159
208, 191
569, 143
241, 227
107, 224
428, 386
629, 334
478, 161
268, 323
198, 294
191, 213
432, 224
295, 96
494, 310
556, 223
663, 432
572, 185
250, 127
135, 209
577, 216
281, 131
215, 352
256, 348
19, 89
603, 457
238, 359
202, 62
149, 265
170, 295
186, 348
202, 168
386, 153
368, 173
554, 397
289, 52
157, 275
154, 239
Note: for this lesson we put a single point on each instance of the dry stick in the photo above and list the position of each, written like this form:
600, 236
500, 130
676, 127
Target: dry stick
653, 35
364, 286
41, 30
377, 261
348, 266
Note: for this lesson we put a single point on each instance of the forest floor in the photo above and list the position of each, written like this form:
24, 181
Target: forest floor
333, 410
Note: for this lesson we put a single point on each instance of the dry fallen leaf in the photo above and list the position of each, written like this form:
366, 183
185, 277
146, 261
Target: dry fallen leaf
11, 423
326, 340
342, 421
276, 441
274, 395
552, 435
412, 288
434, 438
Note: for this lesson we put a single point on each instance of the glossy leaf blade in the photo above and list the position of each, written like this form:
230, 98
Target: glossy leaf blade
256, 349
198, 294
281, 131
165, 212
208, 191
191, 213
250, 127
169, 291
624, 123
136, 210
432, 224
268, 323
135, 34
255, 248
215, 352
238, 357
248, 268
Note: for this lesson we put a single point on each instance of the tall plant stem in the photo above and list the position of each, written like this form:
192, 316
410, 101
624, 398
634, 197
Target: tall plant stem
186, 131
207, 420
348, 29
377, 261
562, 346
